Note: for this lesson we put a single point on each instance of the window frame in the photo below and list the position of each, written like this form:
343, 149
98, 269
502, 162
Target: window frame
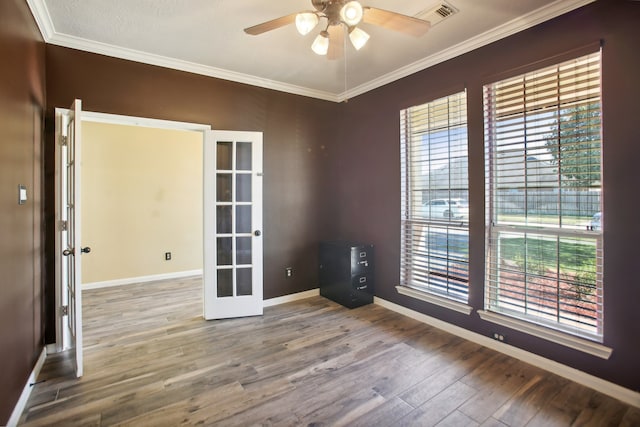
414, 221
493, 312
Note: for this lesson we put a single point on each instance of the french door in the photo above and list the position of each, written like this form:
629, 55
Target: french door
232, 224
68, 236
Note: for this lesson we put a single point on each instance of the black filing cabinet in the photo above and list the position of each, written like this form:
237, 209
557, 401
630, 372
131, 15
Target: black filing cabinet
346, 272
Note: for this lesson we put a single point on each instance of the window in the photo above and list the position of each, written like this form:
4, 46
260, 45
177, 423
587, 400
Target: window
543, 197
435, 188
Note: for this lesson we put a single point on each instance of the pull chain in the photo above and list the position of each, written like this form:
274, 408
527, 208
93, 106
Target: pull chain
344, 41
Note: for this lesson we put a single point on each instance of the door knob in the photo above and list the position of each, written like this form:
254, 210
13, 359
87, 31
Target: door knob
68, 252
257, 233
85, 250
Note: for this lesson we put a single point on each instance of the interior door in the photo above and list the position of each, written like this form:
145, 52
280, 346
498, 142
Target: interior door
69, 237
232, 224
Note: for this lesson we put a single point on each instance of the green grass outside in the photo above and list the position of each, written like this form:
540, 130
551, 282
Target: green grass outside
575, 259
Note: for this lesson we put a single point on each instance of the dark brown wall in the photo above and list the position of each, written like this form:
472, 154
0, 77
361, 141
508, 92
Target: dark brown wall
365, 173
343, 181
294, 134
21, 109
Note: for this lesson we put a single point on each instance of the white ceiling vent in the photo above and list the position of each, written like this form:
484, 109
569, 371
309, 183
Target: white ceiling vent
437, 14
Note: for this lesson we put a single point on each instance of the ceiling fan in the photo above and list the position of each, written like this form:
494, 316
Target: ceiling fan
341, 15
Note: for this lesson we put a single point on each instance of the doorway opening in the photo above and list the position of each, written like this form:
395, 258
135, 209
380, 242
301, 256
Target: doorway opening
141, 204
230, 215
64, 340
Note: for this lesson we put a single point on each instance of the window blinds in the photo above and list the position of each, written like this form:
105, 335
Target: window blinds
544, 207
434, 168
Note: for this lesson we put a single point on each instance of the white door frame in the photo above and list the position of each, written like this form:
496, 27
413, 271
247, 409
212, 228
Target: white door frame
88, 116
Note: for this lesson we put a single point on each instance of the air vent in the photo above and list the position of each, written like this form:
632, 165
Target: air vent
437, 14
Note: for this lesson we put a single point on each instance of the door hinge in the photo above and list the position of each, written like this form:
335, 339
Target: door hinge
64, 310
63, 140
62, 225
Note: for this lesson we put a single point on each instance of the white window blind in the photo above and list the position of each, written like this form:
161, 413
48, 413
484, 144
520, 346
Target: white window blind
543, 197
435, 187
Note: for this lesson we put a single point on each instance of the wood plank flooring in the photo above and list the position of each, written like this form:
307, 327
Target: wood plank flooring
151, 360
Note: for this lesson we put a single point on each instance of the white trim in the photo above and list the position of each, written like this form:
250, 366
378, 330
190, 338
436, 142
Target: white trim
141, 279
291, 297
26, 392
623, 394
435, 299
42, 17
73, 42
500, 32
117, 119
545, 13
548, 334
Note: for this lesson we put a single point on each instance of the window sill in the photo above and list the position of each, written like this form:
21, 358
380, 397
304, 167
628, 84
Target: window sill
434, 299
548, 334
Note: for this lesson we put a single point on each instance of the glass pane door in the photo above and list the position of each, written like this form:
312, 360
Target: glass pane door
233, 246
233, 218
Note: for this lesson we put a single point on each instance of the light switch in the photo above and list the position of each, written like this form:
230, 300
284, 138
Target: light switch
22, 194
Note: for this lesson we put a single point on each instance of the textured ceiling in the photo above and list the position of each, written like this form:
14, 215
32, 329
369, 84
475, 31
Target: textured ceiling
207, 37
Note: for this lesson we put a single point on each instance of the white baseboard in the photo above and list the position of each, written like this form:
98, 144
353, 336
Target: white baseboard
291, 297
26, 392
626, 395
141, 279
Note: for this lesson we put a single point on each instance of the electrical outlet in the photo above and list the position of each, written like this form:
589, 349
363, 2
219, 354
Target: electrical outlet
288, 272
167, 256
498, 337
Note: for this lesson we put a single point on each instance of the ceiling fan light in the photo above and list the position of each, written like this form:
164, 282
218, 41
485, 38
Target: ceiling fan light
321, 44
351, 13
358, 37
305, 22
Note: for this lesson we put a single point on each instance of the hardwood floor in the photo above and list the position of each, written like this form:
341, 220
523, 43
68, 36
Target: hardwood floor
151, 360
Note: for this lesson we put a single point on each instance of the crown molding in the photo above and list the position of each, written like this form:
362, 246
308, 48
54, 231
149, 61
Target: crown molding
43, 18
73, 42
49, 34
514, 26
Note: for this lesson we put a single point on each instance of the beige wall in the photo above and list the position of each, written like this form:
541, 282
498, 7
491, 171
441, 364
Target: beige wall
141, 197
